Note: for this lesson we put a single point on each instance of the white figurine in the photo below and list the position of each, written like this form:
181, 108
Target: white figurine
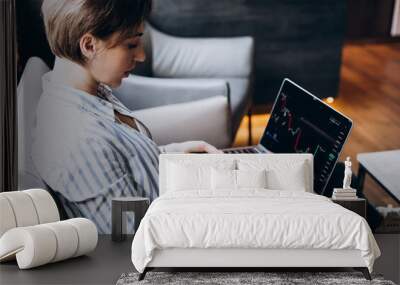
347, 174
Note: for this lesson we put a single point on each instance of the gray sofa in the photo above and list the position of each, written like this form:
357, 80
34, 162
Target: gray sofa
182, 69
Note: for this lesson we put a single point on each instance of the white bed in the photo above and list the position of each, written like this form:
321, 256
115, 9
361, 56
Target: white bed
197, 224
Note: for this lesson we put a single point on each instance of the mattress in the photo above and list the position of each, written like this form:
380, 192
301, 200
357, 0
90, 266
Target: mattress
250, 219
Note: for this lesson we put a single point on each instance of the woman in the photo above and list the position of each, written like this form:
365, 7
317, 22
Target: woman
87, 145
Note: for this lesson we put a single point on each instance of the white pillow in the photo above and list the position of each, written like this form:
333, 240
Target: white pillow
194, 173
251, 178
292, 179
281, 174
223, 179
236, 179
182, 177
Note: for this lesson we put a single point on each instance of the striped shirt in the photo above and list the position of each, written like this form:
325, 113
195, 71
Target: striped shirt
87, 156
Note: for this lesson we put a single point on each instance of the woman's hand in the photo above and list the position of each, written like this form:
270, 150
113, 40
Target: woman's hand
190, 147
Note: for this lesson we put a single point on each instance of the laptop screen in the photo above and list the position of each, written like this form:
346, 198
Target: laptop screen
302, 123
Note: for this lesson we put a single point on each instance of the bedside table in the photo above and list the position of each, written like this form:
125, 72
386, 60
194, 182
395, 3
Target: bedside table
358, 206
119, 207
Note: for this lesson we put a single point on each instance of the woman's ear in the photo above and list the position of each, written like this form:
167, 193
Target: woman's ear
87, 44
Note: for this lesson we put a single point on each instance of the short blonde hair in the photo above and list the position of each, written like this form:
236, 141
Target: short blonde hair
66, 21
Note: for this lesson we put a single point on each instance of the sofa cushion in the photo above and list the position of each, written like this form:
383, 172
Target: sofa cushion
200, 57
28, 92
181, 122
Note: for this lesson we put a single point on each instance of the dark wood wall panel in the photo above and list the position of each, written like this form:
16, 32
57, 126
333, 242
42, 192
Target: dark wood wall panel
369, 19
301, 40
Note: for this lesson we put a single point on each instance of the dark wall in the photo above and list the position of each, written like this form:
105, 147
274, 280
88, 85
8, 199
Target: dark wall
369, 19
8, 99
301, 40
31, 34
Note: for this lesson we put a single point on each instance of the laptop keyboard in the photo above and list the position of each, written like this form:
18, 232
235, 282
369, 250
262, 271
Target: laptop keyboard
244, 150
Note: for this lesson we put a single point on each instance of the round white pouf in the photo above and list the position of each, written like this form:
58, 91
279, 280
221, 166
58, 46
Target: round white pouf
32, 246
45, 206
67, 239
87, 234
26, 208
6, 215
23, 208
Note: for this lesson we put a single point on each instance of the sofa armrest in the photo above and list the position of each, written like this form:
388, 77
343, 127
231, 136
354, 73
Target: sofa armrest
200, 57
206, 119
139, 92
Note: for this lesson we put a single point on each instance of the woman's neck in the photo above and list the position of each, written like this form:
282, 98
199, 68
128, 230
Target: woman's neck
73, 75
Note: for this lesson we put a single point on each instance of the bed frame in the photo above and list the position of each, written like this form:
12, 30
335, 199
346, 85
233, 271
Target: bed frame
240, 259
246, 259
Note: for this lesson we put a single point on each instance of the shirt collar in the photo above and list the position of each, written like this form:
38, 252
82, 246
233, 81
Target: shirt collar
83, 100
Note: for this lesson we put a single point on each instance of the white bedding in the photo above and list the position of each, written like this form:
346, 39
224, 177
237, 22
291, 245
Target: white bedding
252, 218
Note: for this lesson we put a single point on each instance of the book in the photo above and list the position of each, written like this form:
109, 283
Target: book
344, 197
345, 194
341, 190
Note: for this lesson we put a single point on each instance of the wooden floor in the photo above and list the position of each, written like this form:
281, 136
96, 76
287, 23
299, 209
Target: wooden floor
370, 95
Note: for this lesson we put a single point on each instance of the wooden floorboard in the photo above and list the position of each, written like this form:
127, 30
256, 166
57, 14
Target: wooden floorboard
369, 94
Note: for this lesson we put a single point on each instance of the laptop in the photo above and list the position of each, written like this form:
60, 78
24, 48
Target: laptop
302, 123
